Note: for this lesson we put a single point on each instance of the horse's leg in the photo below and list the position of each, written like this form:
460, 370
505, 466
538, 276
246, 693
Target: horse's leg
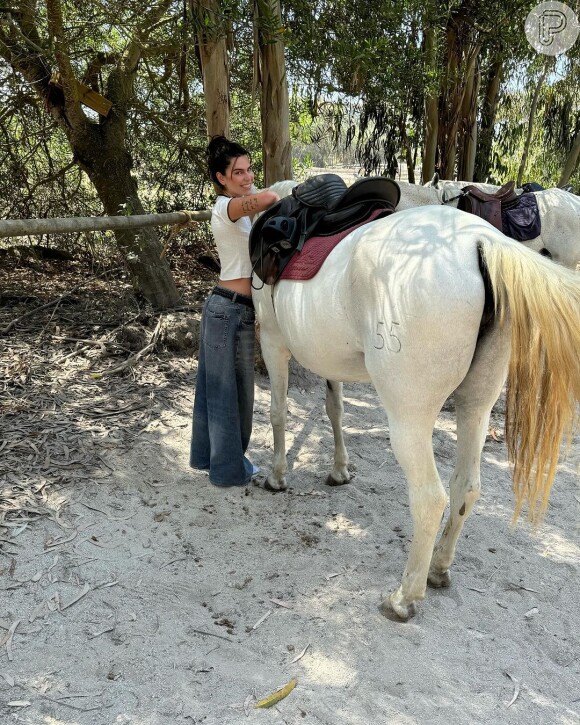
411, 436
276, 356
335, 412
474, 399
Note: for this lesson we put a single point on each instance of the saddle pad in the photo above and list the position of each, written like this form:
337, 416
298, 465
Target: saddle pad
305, 264
521, 220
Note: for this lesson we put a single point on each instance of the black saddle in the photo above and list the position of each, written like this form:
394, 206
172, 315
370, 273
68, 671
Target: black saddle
321, 206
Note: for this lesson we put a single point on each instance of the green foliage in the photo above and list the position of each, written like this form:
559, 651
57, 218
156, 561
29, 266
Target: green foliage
359, 74
556, 125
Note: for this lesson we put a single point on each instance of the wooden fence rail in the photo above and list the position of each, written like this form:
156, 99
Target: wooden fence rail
35, 227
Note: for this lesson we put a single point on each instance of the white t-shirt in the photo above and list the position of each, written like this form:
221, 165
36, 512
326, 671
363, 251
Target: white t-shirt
232, 241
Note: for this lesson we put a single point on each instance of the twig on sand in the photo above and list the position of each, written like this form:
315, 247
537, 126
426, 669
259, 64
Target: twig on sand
211, 634
263, 618
300, 656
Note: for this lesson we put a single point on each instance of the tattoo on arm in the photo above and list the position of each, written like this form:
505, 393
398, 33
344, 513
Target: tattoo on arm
250, 204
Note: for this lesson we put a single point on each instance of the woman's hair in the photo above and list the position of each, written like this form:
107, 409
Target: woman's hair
220, 152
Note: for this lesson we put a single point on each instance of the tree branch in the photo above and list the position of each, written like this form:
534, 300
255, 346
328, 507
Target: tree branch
195, 153
74, 112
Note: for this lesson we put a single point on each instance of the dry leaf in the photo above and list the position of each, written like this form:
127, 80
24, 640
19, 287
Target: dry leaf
516, 690
36, 612
86, 590
247, 702
280, 694
8, 678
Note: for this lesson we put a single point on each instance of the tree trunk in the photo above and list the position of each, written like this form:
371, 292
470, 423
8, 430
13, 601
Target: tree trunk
450, 104
469, 126
487, 123
571, 162
408, 150
531, 119
211, 40
98, 148
431, 113
108, 166
461, 59
274, 108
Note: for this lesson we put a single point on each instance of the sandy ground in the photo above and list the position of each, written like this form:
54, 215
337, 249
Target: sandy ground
150, 597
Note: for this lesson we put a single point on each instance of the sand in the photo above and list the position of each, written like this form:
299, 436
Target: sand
153, 598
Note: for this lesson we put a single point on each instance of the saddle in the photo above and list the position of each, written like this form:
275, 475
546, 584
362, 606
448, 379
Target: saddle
320, 206
488, 206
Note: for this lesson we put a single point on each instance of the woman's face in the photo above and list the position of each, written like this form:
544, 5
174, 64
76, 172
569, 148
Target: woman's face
238, 178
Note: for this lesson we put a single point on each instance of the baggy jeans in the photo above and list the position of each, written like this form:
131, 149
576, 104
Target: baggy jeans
224, 393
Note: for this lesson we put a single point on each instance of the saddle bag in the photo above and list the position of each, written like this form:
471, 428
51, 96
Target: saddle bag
521, 220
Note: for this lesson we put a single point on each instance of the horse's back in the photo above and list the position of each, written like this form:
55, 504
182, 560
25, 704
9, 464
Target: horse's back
421, 257
393, 288
420, 298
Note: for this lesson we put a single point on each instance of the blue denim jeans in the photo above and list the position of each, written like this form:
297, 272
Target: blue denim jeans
224, 393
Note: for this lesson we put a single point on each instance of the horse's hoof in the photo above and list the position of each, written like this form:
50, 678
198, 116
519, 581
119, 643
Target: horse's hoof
397, 612
343, 480
275, 486
439, 579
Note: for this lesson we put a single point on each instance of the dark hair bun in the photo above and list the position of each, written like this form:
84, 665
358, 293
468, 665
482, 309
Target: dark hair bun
217, 146
220, 151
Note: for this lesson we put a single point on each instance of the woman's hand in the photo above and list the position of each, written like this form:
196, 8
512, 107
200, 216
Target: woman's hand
251, 204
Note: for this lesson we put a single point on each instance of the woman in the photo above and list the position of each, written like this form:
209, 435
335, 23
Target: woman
224, 394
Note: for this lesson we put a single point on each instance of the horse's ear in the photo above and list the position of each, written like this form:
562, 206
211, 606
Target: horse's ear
435, 180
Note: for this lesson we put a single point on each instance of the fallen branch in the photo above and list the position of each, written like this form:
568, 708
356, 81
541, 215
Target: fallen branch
133, 359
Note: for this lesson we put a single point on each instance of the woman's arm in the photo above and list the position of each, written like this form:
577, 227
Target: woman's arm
240, 206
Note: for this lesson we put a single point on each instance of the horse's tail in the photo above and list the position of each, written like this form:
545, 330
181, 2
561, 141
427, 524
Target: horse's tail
542, 301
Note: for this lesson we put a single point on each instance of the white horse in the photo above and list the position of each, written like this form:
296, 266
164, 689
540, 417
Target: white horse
559, 214
400, 303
